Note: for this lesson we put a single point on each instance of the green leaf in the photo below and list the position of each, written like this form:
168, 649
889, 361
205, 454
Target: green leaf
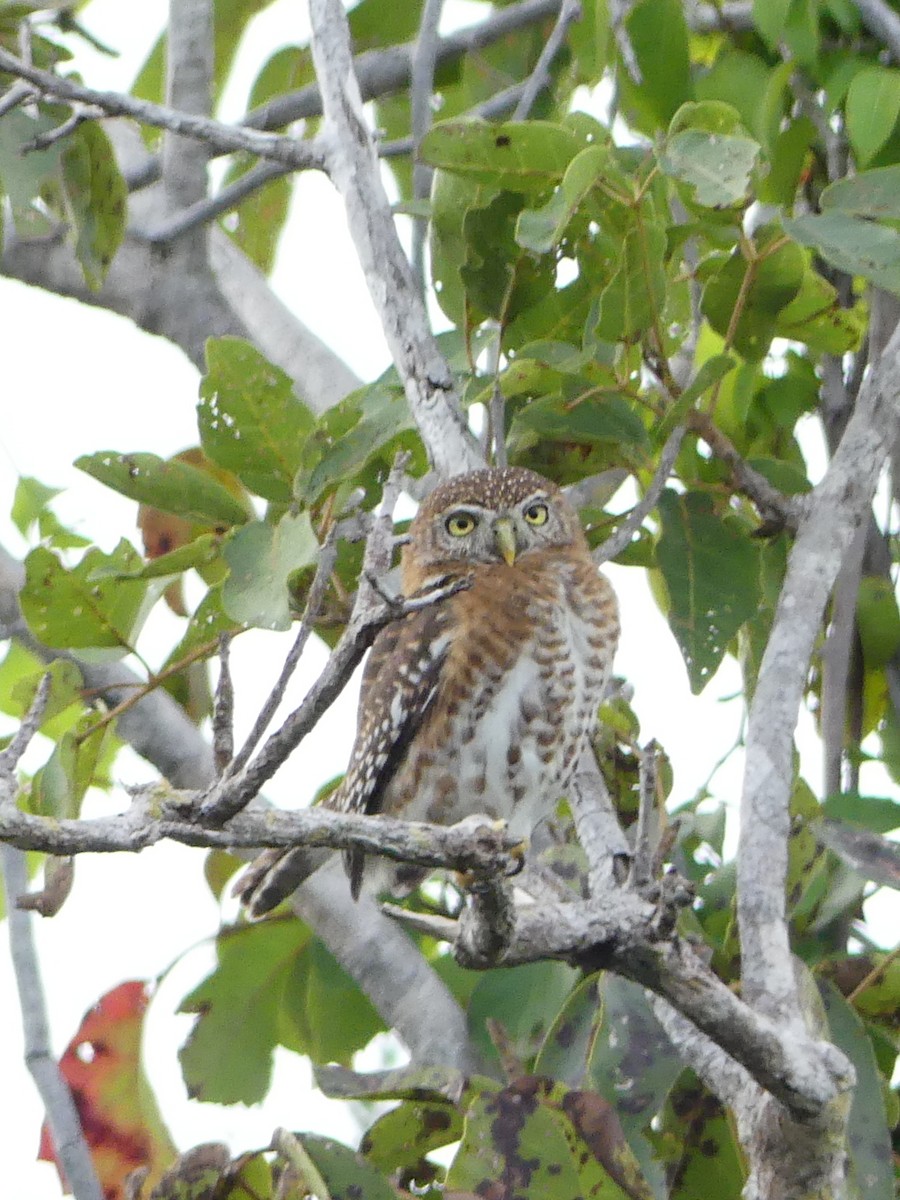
239, 1007
659, 37
505, 1130
565, 1052
250, 421
706, 1160
634, 297
73, 610
202, 551
25, 176
717, 166
711, 372
169, 484
711, 574
857, 247
776, 280
324, 1013
878, 621
876, 813
30, 500
610, 419
872, 108
770, 17
634, 1066
262, 558
66, 684
207, 622
401, 1138
365, 428
816, 317
522, 156
96, 199
525, 1000
874, 193
540, 229
870, 1162
346, 1174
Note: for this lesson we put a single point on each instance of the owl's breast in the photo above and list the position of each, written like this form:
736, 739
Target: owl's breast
521, 688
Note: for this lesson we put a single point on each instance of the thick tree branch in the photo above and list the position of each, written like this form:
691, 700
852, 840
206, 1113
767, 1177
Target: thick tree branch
68, 1138
62, 1116
189, 88
353, 167
838, 505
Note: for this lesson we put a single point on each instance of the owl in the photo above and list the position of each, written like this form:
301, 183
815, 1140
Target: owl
481, 702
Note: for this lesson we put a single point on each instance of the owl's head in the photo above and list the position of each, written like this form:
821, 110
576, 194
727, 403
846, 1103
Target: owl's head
492, 516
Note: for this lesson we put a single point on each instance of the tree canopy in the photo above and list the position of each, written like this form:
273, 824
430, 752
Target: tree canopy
661, 242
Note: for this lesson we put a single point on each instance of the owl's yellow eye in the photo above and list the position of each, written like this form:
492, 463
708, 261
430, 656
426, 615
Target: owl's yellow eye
536, 514
459, 524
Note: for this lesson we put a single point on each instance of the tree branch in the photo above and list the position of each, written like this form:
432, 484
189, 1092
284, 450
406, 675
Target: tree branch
569, 11
225, 139
68, 1138
838, 505
618, 541
189, 88
421, 87
353, 167
882, 20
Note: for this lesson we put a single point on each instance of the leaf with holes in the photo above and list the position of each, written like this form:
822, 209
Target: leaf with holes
96, 199
250, 421
262, 558
118, 1114
711, 571
172, 485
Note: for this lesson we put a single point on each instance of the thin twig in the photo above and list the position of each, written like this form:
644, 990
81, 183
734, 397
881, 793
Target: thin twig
291, 152
315, 596
223, 709
882, 20
776, 509
421, 87
621, 539
68, 1138
646, 833
837, 655
19, 93
569, 11
9, 758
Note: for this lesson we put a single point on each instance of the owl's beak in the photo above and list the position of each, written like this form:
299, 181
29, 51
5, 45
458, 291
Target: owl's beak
505, 537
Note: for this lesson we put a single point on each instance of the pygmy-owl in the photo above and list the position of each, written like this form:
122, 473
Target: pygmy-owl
482, 701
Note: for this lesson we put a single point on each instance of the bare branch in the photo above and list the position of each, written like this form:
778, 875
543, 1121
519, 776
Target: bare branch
62, 1116
569, 11
223, 709
353, 166
324, 567
646, 834
618, 541
9, 759
599, 831
782, 512
189, 88
225, 139
882, 20
837, 507
421, 88
837, 654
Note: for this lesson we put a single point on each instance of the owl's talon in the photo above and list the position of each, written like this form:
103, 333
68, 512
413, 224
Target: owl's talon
517, 854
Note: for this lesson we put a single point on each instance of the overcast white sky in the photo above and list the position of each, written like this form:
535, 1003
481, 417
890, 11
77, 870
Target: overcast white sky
80, 380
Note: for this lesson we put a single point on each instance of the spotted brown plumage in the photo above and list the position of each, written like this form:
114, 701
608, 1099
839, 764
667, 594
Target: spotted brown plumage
481, 702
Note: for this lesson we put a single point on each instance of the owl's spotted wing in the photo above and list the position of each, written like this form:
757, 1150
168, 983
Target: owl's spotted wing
400, 683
